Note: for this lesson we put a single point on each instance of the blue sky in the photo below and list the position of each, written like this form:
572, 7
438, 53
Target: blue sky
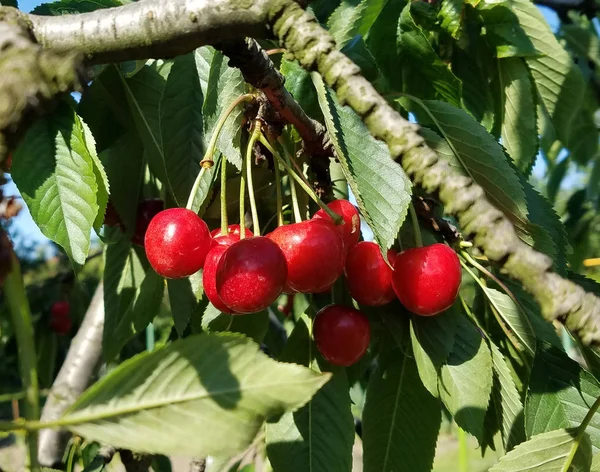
29, 231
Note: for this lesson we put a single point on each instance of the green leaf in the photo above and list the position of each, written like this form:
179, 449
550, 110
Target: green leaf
516, 321
432, 341
182, 125
507, 401
221, 85
124, 164
504, 33
9, 3
299, 83
184, 295
595, 463
560, 395
352, 18
254, 325
582, 41
559, 82
132, 296
55, 173
320, 435
556, 177
519, 120
547, 452
401, 420
143, 92
466, 380
379, 184
423, 67
203, 395
99, 173
67, 7
471, 148
451, 13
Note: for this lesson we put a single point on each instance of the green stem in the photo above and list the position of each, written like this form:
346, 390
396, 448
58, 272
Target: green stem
72, 451
463, 451
195, 187
279, 195
208, 155
150, 337
416, 228
293, 190
224, 222
9, 397
337, 219
14, 291
581, 431
253, 138
243, 201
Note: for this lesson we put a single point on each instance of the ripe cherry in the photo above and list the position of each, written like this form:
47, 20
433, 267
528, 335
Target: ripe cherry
369, 277
350, 229
233, 235
146, 210
60, 322
111, 216
427, 279
314, 253
342, 334
176, 242
251, 274
209, 272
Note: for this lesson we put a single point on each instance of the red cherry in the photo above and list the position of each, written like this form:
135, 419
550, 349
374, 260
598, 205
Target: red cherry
314, 253
233, 230
342, 334
177, 241
350, 229
427, 279
209, 275
111, 216
60, 309
251, 274
146, 210
369, 277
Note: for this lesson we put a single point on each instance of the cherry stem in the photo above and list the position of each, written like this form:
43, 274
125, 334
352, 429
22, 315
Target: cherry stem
416, 227
196, 187
278, 190
224, 222
337, 219
253, 138
243, 201
293, 192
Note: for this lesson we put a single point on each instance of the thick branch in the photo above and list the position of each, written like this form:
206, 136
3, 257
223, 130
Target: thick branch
74, 377
152, 28
315, 49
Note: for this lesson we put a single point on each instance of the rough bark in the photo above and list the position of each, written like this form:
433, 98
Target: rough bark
315, 49
74, 377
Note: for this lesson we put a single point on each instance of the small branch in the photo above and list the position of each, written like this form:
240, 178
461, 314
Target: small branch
315, 49
198, 465
426, 212
152, 28
74, 377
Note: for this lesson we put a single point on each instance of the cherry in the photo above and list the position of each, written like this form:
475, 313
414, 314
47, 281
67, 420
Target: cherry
233, 235
350, 229
427, 279
369, 277
111, 216
342, 334
146, 210
209, 274
314, 253
176, 242
251, 274
60, 322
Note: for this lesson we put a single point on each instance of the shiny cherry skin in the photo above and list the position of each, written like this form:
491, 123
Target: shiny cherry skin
314, 253
251, 274
60, 322
209, 275
233, 235
176, 243
369, 277
350, 229
427, 279
146, 210
342, 334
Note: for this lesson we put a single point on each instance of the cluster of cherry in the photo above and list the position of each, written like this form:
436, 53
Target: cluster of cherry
247, 274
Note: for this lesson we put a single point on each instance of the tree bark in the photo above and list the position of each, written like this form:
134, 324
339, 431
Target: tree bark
74, 377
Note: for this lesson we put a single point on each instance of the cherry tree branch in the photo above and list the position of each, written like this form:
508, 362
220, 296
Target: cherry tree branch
74, 377
315, 49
